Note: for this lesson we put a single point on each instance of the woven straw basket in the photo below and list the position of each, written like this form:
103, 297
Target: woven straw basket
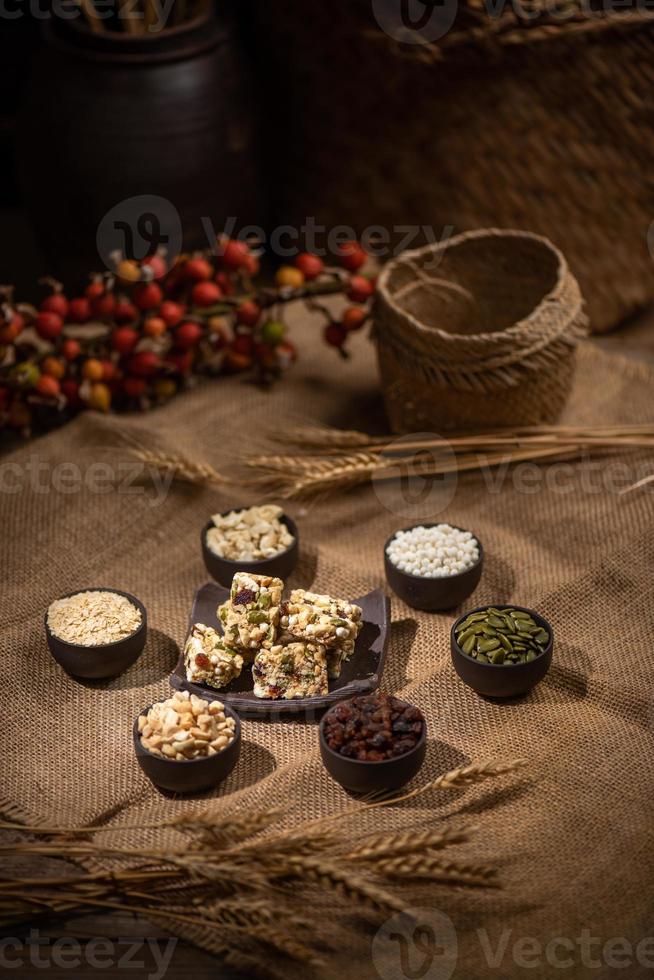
498, 124
478, 332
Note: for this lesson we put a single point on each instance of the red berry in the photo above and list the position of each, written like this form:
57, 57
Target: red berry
124, 340
206, 293
9, 331
188, 334
335, 334
79, 310
48, 386
70, 389
71, 349
148, 296
49, 325
351, 256
156, 265
94, 289
354, 318
243, 344
56, 303
198, 269
108, 370
233, 254
134, 387
171, 313
182, 361
248, 313
102, 306
310, 265
360, 289
144, 364
125, 312
226, 283
251, 264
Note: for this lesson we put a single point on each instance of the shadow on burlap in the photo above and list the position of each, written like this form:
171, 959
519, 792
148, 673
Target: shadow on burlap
573, 840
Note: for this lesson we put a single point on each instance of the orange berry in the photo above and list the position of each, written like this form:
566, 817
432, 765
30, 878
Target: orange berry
354, 318
100, 398
54, 367
154, 326
128, 270
93, 369
288, 275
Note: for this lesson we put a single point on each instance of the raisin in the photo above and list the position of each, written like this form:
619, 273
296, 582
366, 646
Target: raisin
243, 597
373, 727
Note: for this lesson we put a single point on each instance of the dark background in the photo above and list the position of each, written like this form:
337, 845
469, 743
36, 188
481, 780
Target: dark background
19, 255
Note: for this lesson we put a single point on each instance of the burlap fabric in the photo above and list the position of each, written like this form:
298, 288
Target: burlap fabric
476, 332
573, 840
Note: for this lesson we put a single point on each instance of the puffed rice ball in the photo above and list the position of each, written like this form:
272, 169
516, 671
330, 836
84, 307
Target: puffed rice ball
434, 552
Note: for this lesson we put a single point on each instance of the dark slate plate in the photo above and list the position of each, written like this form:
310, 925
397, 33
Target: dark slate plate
360, 675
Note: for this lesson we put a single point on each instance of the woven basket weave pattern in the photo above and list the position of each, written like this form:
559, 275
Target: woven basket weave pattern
451, 352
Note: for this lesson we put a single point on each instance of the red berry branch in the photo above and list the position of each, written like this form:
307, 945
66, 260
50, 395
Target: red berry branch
141, 333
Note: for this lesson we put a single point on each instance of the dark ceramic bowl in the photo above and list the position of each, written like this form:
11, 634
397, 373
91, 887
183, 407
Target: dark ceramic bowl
188, 775
223, 569
106, 659
433, 594
498, 680
386, 776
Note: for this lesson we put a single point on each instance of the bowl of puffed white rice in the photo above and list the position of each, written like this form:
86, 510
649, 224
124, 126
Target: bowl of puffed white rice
261, 539
96, 633
433, 566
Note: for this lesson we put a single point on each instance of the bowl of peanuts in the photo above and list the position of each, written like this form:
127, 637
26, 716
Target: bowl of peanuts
187, 744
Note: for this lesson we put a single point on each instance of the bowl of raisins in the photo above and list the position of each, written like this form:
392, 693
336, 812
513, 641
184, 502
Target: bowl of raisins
373, 743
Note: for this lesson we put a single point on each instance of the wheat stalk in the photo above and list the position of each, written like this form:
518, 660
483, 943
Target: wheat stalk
437, 869
181, 468
386, 845
245, 884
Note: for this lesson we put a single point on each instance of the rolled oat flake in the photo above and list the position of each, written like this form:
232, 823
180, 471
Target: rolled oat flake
93, 618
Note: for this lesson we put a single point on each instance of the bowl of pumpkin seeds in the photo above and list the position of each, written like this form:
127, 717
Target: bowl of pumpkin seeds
501, 651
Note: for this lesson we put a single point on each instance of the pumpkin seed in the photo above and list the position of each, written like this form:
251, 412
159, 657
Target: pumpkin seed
502, 636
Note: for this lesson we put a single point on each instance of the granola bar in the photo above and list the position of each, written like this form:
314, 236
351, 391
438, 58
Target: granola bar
208, 659
334, 622
290, 669
251, 614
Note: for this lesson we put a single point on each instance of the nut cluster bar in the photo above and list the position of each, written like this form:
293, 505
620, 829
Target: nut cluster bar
333, 622
291, 668
251, 614
208, 659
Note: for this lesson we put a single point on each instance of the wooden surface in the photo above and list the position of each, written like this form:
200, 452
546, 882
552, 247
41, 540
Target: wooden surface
635, 340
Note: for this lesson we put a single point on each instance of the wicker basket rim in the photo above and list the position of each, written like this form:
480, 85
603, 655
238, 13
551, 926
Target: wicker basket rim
521, 327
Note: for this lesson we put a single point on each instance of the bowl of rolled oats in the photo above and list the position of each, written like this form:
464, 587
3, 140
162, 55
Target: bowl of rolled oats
262, 539
186, 744
96, 633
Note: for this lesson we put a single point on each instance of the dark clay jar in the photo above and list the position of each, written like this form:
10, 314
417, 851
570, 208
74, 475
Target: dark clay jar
111, 116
